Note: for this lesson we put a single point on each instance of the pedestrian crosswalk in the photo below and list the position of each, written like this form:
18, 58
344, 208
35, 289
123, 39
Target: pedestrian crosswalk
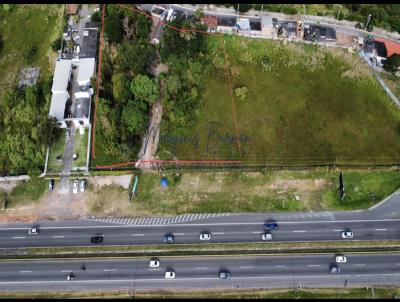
158, 220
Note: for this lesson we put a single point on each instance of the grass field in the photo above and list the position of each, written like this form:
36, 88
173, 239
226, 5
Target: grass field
24, 26
27, 192
56, 149
80, 148
393, 83
197, 192
304, 105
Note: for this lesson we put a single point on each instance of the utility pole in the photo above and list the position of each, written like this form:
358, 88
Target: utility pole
369, 18
304, 16
262, 5
337, 18
237, 13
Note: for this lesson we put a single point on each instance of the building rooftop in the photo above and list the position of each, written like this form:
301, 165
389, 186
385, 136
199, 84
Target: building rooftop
81, 108
391, 47
57, 106
92, 25
86, 70
226, 21
381, 49
210, 21
72, 9
89, 44
62, 73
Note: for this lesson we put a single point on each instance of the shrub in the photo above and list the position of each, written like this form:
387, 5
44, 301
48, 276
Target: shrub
241, 93
30, 54
56, 45
95, 17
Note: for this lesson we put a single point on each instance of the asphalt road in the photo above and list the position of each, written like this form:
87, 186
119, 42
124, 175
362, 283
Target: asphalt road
80, 232
203, 272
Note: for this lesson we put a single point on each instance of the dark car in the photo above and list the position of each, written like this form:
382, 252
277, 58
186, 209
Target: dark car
168, 238
334, 269
224, 275
270, 226
97, 239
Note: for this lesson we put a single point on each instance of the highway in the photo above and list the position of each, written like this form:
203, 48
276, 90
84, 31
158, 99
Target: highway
201, 272
79, 233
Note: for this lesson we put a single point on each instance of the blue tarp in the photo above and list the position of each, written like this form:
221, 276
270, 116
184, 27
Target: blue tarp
164, 182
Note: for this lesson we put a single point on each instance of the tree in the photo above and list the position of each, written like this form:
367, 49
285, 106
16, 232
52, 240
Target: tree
145, 89
121, 91
1, 43
113, 28
173, 84
187, 35
56, 45
133, 118
392, 63
47, 131
241, 93
135, 58
243, 7
199, 14
95, 17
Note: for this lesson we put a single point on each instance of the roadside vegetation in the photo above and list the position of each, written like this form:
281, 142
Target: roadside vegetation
221, 192
26, 192
127, 87
26, 34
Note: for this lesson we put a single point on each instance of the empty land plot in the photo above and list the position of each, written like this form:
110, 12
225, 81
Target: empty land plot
304, 104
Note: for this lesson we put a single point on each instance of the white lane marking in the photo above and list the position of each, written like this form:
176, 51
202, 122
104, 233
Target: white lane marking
25, 271
280, 266
200, 268
179, 234
398, 263
19, 237
58, 236
248, 266
218, 233
110, 270
337, 230
67, 271
311, 265
358, 264
154, 269
137, 234
256, 232
302, 231
380, 229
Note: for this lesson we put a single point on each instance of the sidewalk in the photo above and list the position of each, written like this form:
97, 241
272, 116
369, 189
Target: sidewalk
323, 20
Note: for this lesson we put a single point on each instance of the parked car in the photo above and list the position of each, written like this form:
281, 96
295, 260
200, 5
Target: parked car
97, 239
75, 187
224, 275
168, 238
154, 263
170, 274
71, 276
82, 185
205, 236
270, 226
266, 236
34, 230
341, 259
51, 185
347, 234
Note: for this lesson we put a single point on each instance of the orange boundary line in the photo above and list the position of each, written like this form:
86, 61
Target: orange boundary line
173, 162
98, 84
99, 80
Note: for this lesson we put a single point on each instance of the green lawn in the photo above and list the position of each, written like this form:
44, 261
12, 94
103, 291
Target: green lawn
27, 192
304, 105
57, 148
80, 148
197, 192
24, 26
393, 83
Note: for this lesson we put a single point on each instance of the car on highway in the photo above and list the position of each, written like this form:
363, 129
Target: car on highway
168, 238
270, 226
34, 230
70, 277
154, 263
334, 269
170, 274
266, 236
224, 274
341, 259
205, 236
51, 185
347, 234
97, 238
82, 185
75, 187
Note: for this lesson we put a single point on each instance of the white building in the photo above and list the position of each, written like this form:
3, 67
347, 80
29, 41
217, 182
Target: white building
86, 71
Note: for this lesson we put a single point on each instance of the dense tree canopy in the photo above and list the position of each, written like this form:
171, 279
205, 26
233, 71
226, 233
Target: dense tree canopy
392, 63
144, 89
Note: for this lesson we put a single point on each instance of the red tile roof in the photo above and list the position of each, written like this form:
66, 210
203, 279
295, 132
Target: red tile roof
72, 9
391, 47
210, 21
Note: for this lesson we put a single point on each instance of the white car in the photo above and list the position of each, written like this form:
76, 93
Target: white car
266, 236
341, 259
75, 187
205, 236
34, 231
347, 234
169, 275
82, 185
70, 277
154, 263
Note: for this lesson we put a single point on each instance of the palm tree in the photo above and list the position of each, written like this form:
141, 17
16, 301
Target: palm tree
187, 35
